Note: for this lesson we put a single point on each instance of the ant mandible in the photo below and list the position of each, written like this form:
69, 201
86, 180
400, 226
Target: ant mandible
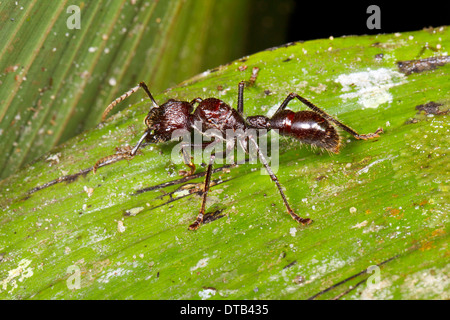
312, 127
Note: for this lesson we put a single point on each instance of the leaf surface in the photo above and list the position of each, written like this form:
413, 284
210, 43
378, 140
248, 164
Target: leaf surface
56, 80
380, 207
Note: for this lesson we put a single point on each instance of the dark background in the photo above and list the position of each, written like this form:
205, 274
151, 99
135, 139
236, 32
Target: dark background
277, 22
338, 19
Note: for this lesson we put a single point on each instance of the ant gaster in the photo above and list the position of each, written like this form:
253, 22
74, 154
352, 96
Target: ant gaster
312, 127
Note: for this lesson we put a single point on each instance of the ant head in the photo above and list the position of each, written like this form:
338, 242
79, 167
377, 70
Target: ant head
258, 122
152, 117
164, 120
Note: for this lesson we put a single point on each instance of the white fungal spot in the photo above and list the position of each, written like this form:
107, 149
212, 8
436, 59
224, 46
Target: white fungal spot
54, 157
272, 110
207, 293
89, 191
134, 211
370, 87
21, 272
113, 273
200, 264
293, 231
366, 168
360, 225
120, 227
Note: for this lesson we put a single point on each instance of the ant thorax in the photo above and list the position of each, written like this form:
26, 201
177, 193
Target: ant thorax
213, 113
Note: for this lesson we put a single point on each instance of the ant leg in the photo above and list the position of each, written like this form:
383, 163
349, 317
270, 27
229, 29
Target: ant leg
327, 116
122, 153
187, 159
139, 144
240, 104
275, 179
188, 162
251, 82
126, 95
201, 214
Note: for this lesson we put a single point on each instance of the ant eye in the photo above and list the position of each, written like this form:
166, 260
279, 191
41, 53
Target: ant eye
148, 122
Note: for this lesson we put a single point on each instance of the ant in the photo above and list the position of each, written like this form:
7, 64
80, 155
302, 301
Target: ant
314, 127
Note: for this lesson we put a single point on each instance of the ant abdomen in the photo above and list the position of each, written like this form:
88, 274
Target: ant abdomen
307, 127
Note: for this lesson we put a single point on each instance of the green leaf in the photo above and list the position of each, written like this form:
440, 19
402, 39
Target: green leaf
380, 207
56, 80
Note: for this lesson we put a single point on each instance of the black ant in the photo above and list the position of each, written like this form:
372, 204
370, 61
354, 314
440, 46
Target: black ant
312, 127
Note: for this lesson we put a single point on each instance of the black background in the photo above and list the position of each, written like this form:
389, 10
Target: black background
273, 23
317, 19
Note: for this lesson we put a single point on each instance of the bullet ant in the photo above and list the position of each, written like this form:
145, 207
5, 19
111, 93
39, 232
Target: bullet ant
314, 127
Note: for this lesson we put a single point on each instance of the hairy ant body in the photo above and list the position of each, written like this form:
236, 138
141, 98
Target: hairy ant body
312, 127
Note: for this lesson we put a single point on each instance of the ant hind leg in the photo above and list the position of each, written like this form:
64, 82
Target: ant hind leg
274, 178
316, 109
201, 214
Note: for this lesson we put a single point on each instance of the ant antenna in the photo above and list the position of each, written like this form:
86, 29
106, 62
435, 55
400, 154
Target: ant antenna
138, 145
126, 95
144, 86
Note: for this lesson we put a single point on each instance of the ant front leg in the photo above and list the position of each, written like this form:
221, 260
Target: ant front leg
328, 117
186, 155
122, 153
201, 214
